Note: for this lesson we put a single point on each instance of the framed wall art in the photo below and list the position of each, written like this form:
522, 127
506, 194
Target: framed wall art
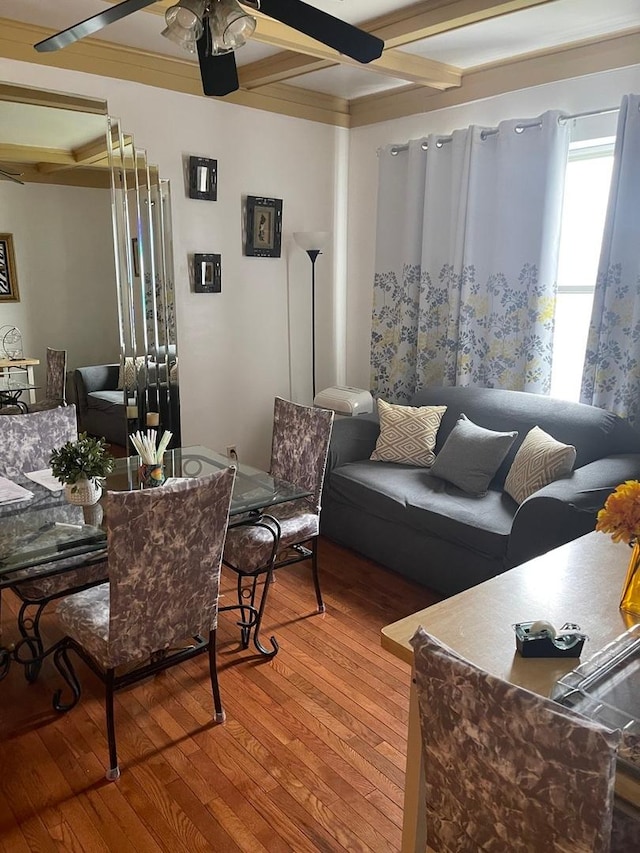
8, 276
207, 273
263, 237
203, 178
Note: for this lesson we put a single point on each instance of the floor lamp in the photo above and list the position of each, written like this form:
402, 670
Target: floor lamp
313, 242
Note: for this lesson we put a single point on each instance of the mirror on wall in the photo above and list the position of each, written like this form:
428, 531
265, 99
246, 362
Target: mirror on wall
91, 225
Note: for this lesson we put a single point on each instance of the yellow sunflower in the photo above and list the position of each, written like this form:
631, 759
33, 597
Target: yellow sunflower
620, 515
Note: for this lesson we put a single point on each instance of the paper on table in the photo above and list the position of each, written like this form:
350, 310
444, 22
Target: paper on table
11, 492
45, 478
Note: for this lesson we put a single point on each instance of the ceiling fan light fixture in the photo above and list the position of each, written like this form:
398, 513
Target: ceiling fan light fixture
230, 25
185, 23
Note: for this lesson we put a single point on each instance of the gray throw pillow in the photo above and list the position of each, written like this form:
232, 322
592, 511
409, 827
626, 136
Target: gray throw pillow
471, 455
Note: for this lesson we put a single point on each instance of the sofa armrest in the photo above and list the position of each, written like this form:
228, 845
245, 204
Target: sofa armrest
352, 439
567, 508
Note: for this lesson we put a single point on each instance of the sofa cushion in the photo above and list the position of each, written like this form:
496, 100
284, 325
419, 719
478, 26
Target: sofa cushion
106, 401
407, 433
471, 456
539, 461
413, 497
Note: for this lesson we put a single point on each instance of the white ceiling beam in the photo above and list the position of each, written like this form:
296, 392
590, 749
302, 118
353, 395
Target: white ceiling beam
403, 27
313, 55
393, 63
421, 20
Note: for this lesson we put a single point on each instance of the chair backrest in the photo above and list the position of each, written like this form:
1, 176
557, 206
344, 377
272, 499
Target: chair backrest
56, 375
505, 768
27, 440
300, 445
165, 549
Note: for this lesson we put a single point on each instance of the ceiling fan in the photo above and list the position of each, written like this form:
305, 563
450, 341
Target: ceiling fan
216, 28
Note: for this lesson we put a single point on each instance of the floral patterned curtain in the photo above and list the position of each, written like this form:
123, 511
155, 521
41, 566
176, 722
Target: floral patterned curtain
466, 255
611, 376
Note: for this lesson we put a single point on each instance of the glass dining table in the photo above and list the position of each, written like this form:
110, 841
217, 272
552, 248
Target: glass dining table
46, 529
11, 390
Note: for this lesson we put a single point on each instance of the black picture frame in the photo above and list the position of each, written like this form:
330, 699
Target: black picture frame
203, 178
263, 227
135, 256
207, 273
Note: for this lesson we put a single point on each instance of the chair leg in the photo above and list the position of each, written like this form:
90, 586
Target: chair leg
220, 715
66, 670
113, 772
314, 572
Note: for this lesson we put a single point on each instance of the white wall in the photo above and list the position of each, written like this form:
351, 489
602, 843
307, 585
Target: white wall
592, 92
234, 350
65, 270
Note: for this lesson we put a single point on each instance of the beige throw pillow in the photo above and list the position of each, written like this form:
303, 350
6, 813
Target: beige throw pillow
407, 433
128, 372
540, 460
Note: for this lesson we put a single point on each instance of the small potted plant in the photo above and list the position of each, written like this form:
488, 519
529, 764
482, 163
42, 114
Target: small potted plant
82, 465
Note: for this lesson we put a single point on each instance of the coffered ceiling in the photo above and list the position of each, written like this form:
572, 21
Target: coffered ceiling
437, 53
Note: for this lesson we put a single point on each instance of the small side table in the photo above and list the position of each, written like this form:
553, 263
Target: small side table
24, 365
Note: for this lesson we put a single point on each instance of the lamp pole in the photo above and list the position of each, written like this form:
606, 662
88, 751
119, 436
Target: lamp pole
313, 254
313, 243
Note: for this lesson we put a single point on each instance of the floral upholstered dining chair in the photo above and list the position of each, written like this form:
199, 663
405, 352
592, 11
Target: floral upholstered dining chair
289, 534
506, 769
27, 444
54, 392
164, 577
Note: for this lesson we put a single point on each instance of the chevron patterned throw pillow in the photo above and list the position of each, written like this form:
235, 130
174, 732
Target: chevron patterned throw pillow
407, 433
540, 460
129, 372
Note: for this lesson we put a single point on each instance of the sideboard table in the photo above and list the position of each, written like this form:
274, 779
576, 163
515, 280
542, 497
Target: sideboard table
579, 582
22, 365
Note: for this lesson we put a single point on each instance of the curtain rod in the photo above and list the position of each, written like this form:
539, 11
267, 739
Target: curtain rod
396, 149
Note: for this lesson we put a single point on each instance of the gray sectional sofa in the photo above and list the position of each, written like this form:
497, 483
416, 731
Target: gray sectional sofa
417, 524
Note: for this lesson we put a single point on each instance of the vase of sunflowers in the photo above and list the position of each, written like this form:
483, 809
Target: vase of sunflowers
620, 517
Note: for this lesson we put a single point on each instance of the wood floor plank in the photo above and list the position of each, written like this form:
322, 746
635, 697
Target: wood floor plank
310, 758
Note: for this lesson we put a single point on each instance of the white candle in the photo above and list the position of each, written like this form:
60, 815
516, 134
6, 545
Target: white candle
132, 412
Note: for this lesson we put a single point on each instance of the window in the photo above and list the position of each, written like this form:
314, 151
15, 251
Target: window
585, 205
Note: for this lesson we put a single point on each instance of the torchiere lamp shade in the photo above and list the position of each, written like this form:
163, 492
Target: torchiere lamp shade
311, 240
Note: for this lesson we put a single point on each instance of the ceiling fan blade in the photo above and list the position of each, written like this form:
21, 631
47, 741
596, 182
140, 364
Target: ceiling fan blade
343, 37
219, 73
91, 25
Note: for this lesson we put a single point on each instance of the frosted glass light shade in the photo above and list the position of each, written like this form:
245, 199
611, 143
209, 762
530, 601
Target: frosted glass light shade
230, 26
184, 23
309, 240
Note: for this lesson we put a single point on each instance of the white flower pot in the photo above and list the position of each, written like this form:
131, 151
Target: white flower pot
83, 493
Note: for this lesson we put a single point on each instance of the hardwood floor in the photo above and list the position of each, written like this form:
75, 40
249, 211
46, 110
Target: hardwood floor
310, 758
